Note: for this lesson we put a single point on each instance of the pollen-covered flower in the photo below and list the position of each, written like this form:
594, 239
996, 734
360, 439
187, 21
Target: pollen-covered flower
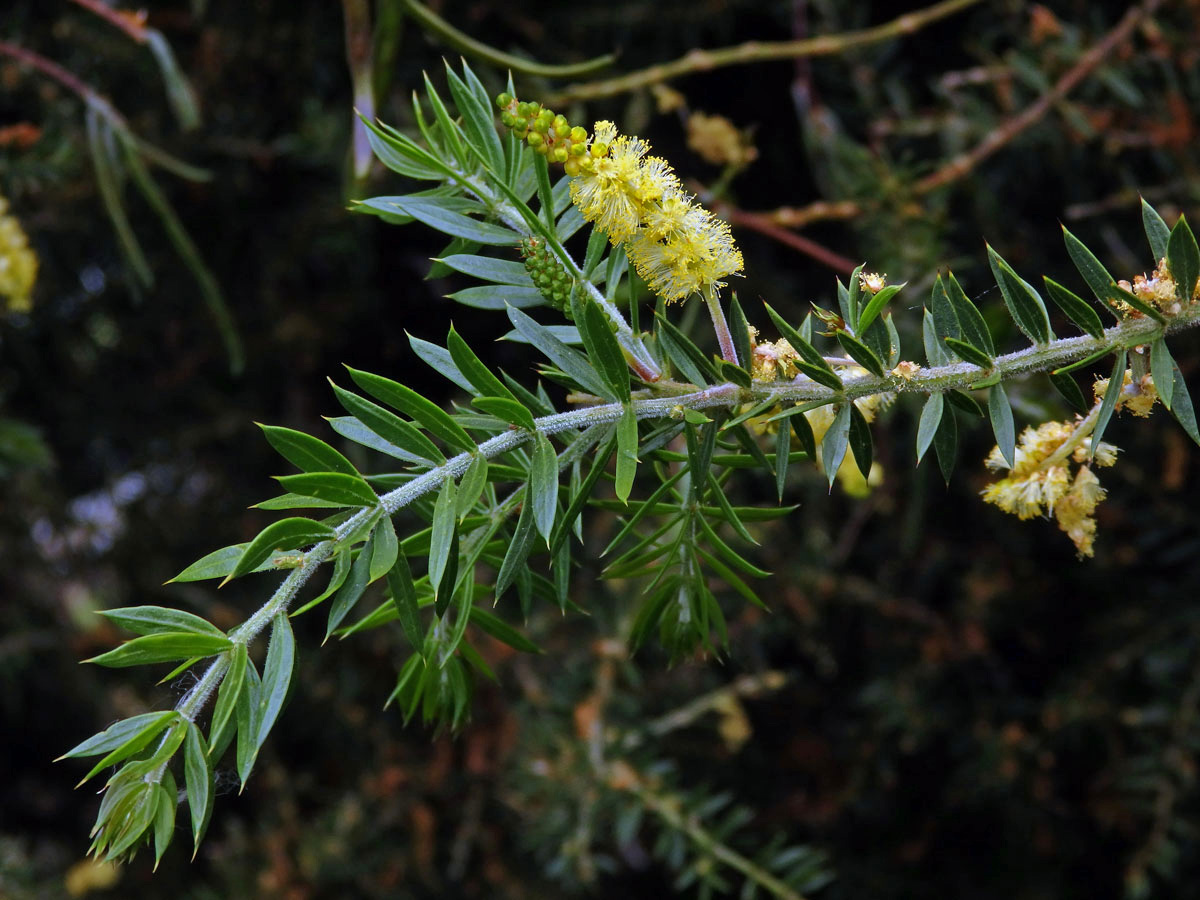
773, 360
610, 193
695, 251
1041, 481
872, 282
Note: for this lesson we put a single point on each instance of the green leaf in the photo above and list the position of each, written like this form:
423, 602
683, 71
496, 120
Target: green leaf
286, 502
945, 444
404, 599
969, 353
936, 353
478, 125
439, 359
543, 485
276, 679
334, 487
157, 619
815, 366
479, 376
498, 296
740, 329
860, 441
217, 564
1023, 302
402, 155
425, 412
386, 546
165, 805
227, 698
603, 350
684, 355
1002, 423
442, 538
389, 426
1076, 309
783, 448
971, 325
120, 734
1092, 270
305, 452
964, 402
876, 304
860, 353
1162, 367
731, 373
132, 740
627, 453
286, 534
471, 486
439, 213
1116, 383
1067, 386
517, 552
248, 710
198, 778
352, 588
1183, 259
487, 268
571, 361
833, 445
502, 631
1157, 232
341, 568
163, 647
352, 429
512, 411
931, 419
1181, 405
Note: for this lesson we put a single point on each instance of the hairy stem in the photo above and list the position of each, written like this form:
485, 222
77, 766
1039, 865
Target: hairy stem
958, 376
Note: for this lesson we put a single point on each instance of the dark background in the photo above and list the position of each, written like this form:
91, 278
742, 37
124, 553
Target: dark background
969, 710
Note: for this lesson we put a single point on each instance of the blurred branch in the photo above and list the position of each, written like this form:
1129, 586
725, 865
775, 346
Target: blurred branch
133, 24
360, 56
1088, 63
761, 51
763, 224
101, 107
464, 43
1008, 130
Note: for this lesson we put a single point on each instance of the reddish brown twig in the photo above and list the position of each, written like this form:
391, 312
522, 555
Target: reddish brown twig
132, 23
761, 222
67, 79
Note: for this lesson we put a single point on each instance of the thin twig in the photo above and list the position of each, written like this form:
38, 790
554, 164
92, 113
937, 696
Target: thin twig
763, 224
1088, 63
761, 51
463, 43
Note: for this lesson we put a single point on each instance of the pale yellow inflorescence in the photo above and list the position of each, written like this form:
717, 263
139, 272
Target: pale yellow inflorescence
18, 263
677, 247
1045, 480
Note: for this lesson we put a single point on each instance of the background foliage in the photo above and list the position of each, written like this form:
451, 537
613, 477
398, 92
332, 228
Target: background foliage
942, 700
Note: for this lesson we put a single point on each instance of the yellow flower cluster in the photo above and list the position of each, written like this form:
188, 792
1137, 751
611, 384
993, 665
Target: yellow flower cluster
18, 263
1158, 291
677, 248
1041, 480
